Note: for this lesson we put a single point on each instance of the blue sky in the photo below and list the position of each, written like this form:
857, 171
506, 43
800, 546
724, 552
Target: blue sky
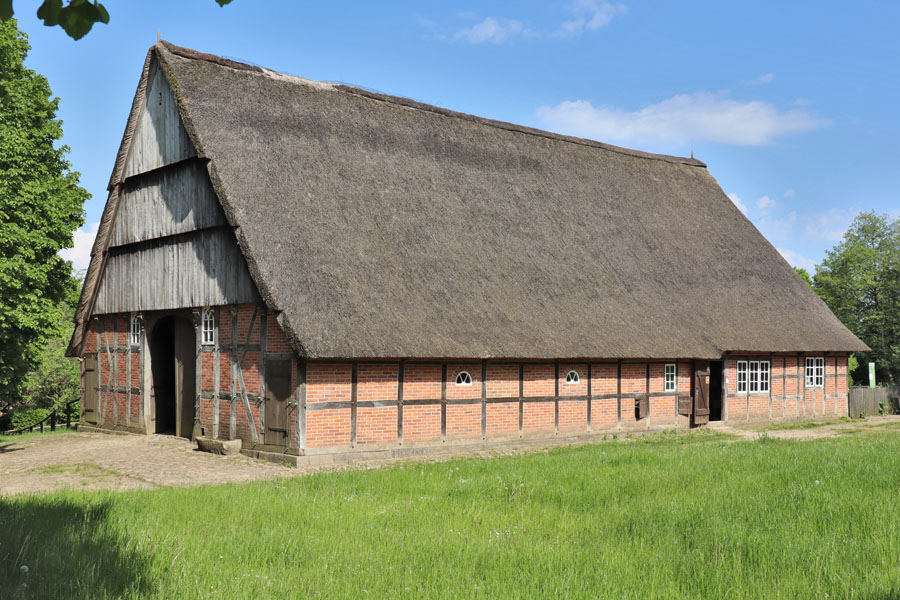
792, 105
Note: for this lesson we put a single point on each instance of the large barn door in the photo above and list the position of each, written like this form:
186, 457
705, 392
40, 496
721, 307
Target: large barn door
90, 390
185, 365
278, 393
701, 392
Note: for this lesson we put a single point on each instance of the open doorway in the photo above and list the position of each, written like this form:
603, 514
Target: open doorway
172, 366
715, 390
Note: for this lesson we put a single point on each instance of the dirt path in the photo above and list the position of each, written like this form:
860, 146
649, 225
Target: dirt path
804, 431
119, 462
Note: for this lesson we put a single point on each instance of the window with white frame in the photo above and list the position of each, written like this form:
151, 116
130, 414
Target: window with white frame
134, 330
208, 327
742, 376
463, 378
572, 377
815, 371
759, 375
669, 379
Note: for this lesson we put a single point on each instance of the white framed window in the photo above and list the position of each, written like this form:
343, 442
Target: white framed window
572, 377
208, 327
759, 375
134, 330
742, 376
669, 378
815, 371
463, 378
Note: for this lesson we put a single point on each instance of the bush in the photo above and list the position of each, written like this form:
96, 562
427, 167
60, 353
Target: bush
25, 417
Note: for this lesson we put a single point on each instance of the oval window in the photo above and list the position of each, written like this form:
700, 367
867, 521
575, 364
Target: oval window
572, 377
463, 378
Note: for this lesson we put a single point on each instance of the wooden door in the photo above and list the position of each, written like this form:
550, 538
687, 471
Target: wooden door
185, 369
89, 399
701, 392
278, 393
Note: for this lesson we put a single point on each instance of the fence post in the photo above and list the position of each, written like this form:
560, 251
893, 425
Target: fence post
53, 421
68, 416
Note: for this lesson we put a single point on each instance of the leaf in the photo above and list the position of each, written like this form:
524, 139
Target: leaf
50, 12
6, 10
79, 17
223, 2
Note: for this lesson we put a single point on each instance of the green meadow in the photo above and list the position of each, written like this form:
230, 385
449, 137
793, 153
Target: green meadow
667, 516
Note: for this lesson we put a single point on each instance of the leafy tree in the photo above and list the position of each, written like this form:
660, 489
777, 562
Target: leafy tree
40, 207
860, 281
76, 18
804, 275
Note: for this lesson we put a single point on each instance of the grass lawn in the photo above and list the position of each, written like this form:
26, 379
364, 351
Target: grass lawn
799, 425
686, 516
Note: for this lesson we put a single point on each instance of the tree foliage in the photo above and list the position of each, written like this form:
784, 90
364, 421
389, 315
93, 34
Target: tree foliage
40, 207
76, 17
804, 275
860, 281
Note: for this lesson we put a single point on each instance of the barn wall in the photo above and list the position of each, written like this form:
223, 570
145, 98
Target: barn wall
789, 397
371, 405
160, 138
166, 202
201, 268
119, 373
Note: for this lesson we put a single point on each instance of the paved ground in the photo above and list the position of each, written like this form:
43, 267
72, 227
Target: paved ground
122, 462
119, 462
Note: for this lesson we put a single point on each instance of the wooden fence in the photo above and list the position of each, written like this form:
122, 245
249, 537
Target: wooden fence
867, 401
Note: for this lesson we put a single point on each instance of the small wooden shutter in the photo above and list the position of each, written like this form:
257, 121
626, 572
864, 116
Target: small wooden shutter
642, 406
278, 392
701, 392
89, 400
685, 404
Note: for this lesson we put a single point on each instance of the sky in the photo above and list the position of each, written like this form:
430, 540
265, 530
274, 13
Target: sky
792, 105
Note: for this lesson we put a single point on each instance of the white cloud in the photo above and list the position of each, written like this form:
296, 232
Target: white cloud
491, 30
587, 15
765, 203
789, 193
764, 79
738, 202
590, 15
798, 260
701, 116
80, 253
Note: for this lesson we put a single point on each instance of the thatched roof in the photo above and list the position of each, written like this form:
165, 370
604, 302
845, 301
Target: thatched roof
382, 227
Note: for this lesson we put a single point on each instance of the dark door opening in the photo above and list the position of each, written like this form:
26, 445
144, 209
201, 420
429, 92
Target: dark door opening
172, 365
162, 366
715, 390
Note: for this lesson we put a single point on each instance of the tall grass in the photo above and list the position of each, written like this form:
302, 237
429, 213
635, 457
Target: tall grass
670, 517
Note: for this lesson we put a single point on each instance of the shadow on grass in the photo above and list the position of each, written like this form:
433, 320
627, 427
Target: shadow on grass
57, 548
5, 448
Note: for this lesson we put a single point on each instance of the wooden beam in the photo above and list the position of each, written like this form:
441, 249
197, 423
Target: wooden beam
521, 403
619, 393
232, 419
443, 402
354, 383
115, 369
198, 370
143, 351
301, 404
128, 371
217, 367
483, 399
99, 369
589, 396
400, 376
263, 334
556, 396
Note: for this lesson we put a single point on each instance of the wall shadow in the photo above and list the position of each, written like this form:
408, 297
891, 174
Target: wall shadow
68, 549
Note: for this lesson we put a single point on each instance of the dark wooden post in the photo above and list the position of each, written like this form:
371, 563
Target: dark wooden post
53, 421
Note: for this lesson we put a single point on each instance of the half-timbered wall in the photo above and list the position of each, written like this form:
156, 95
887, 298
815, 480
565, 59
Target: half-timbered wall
788, 396
344, 405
